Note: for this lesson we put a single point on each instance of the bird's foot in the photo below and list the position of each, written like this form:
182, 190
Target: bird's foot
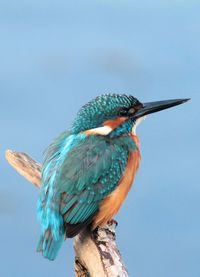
112, 222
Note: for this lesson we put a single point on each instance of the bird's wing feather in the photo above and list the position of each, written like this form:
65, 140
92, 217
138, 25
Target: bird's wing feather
50, 164
90, 172
78, 173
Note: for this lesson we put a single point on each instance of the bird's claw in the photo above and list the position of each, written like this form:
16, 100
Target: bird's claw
112, 222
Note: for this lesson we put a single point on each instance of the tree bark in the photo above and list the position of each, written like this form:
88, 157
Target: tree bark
96, 253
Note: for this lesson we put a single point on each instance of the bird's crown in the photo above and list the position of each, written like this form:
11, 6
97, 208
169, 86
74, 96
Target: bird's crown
102, 108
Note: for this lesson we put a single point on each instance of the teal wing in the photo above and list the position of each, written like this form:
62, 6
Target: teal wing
89, 173
79, 171
51, 164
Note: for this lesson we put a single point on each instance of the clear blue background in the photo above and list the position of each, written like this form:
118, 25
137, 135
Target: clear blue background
54, 57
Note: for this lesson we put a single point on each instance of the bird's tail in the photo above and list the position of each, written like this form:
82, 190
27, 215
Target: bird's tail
48, 245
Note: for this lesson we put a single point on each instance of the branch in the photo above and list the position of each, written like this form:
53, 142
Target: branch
96, 253
25, 166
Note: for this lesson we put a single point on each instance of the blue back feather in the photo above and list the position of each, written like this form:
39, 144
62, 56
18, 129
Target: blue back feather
48, 204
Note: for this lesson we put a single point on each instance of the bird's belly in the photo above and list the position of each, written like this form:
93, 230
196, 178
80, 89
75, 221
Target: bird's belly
112, 203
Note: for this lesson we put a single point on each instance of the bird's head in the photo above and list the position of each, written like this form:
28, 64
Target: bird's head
116, 113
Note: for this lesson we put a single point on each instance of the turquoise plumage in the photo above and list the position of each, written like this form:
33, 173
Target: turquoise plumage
88, 171
75, 181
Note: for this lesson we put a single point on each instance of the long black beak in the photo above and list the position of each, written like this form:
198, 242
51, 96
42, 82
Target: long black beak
152, 107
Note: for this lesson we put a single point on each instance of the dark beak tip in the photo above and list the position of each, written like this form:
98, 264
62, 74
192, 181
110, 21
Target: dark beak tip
186, 99
180, 101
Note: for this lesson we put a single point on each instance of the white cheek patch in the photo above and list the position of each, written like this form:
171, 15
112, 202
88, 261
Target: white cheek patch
138, 121
104, 131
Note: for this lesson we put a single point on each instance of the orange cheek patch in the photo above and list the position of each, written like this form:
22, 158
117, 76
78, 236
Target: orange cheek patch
114, 123
108, 126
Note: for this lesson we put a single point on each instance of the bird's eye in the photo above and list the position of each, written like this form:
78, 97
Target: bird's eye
131, 111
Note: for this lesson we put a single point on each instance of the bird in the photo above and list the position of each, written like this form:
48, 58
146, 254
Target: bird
88, 170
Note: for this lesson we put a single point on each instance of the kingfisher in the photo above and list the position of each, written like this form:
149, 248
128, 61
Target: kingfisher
88, 171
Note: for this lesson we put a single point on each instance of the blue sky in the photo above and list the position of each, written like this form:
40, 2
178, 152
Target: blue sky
55, 56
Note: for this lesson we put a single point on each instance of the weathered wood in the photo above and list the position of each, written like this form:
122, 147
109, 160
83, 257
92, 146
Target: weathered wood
96, 253
25, 166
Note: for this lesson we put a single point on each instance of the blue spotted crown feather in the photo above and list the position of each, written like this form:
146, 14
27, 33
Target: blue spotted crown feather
100, 109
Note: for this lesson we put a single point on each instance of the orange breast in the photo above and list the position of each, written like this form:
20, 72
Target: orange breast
112, 203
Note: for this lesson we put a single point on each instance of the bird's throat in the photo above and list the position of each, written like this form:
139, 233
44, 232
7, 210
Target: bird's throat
136, 123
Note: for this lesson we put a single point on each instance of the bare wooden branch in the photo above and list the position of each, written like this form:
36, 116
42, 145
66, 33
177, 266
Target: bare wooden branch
25, 166
96, 253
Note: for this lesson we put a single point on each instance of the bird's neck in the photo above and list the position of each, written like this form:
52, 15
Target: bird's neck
128, 128
123, 129
115, 129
